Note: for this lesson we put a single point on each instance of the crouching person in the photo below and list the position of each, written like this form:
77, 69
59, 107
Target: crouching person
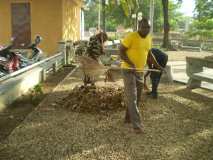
156, 59
95, 46
94, 50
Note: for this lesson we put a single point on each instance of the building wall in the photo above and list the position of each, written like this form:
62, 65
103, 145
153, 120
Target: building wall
71, 19
47, 22
54, 20
5, 22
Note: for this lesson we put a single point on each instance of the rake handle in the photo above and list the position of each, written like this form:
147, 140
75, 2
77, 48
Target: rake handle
137, 69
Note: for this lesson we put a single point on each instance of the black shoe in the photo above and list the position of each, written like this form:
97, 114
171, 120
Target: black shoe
154, 95
149, 93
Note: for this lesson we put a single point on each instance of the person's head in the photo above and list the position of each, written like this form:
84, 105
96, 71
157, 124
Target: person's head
102, 37
143, 27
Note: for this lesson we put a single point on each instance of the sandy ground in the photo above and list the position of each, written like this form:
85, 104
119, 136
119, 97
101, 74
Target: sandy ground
178, 126
14, 114
181, 55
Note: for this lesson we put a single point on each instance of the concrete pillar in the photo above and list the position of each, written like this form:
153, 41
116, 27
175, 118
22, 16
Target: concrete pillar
193, 65
43, 75
62, 48
167, 76
193, 83
55, 66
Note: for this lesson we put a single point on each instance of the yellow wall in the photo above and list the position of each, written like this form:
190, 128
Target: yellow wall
54, 20
5, 22
71, 19
47, 22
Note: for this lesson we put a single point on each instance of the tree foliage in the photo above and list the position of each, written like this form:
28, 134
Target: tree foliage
91, 15
204, 9
121, 13
202, 26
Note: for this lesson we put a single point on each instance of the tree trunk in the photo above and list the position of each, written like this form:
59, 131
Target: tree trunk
166, 43
151, 14
103, 15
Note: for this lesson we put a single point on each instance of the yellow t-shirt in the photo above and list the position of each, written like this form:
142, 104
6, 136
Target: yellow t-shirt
138, 49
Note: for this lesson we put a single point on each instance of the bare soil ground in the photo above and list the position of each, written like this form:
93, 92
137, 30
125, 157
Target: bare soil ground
178, 126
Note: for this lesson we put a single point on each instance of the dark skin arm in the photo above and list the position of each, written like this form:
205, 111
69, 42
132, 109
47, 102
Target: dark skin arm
145, 85
148, 72
124, 56
151, 61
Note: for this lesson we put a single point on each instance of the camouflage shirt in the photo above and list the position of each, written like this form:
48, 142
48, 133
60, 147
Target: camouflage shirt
94, 48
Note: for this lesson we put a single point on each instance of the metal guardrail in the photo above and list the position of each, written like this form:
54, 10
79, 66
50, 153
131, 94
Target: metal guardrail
65, 56
15, 84
46, 64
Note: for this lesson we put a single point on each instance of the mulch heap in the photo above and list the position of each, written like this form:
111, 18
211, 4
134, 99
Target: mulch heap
91, 99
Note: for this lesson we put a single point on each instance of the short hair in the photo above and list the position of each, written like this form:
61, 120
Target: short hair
102, 36
144, 22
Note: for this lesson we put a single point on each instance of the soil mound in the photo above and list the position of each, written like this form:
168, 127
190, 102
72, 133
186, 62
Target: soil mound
93, 99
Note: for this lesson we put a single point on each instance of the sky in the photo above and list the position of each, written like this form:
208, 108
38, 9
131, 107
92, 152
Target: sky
188, 7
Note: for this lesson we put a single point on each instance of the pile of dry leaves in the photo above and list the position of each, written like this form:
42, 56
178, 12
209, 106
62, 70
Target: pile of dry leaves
91, 99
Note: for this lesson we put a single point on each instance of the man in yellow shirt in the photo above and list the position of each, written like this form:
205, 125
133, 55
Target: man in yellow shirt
133, 51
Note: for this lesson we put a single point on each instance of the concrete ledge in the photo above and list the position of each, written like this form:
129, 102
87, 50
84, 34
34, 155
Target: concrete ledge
194, 70
191, 48
202, 76
19, 85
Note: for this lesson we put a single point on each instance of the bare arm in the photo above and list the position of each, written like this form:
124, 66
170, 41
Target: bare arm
145, 76
147, 73
124, 56
154, 61
149, 62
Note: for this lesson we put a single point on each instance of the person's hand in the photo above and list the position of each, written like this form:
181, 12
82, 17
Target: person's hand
163, 70
132, 66
145, 87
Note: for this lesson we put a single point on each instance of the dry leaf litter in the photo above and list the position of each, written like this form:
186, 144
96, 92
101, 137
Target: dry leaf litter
91, 99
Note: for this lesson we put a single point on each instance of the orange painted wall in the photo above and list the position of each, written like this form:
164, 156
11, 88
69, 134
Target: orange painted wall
47, 22
54, 20
5, 22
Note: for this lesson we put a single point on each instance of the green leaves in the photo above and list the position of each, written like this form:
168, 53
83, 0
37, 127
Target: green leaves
120, 13
204, 9
202, 26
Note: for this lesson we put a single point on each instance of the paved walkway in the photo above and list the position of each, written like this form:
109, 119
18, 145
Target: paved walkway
179, 73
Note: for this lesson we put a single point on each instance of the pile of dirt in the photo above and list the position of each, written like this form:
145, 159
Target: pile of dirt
91, 99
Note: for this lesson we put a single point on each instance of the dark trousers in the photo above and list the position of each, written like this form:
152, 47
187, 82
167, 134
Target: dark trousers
155, 80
